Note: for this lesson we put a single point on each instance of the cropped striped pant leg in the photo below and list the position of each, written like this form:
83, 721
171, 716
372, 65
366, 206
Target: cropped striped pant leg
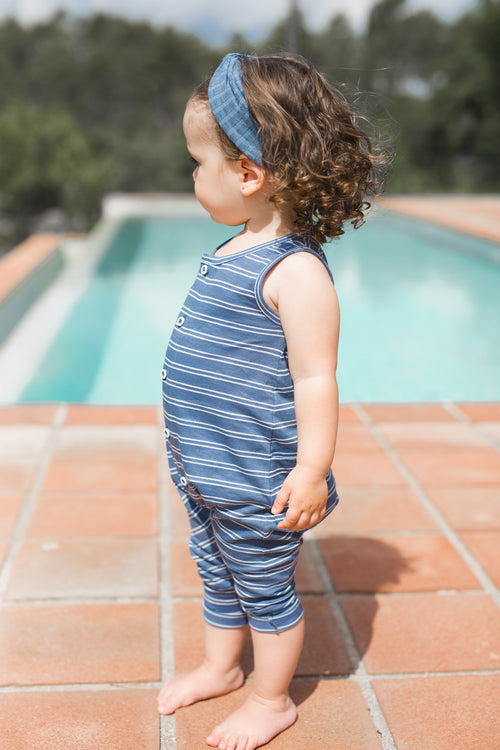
247, 572
221, 607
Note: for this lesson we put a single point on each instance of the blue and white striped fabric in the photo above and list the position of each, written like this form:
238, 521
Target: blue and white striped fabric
232, 437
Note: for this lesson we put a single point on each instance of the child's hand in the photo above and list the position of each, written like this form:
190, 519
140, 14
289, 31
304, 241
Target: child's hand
306, 493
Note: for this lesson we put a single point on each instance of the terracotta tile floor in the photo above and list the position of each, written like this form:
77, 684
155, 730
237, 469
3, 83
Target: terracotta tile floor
101, 601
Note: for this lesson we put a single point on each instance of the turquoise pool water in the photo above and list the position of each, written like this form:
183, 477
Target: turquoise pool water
420, 313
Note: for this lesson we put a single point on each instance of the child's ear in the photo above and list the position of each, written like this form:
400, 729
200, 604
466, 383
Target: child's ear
252, 176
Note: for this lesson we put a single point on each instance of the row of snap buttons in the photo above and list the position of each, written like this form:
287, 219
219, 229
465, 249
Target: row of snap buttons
204, 269
183, 481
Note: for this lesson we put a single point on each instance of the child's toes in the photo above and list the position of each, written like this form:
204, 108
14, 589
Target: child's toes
214, 739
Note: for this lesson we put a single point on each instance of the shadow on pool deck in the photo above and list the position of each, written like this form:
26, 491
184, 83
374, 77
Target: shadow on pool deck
400, 585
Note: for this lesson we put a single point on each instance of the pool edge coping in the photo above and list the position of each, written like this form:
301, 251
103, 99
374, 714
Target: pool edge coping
26, 258
416, 207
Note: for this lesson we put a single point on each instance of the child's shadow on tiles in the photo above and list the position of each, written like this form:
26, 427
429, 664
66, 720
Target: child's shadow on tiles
339, 617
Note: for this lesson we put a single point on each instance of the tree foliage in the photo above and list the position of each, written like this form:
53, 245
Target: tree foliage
95, 104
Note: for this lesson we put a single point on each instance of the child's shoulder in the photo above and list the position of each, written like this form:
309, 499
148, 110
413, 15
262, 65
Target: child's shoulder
301, 263
299, 271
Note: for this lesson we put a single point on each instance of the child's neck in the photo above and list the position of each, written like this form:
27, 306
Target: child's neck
259, 229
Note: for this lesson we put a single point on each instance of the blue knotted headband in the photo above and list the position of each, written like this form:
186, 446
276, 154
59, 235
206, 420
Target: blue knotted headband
230, 109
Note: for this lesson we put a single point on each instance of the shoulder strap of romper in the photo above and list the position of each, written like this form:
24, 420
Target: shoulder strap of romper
304, 246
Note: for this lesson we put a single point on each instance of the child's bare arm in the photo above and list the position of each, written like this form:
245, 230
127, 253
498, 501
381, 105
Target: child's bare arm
302, 292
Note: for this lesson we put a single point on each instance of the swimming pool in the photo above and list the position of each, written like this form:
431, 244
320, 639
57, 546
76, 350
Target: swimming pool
420, 311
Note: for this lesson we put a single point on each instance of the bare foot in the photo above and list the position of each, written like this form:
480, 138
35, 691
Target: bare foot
197, 685
254, 724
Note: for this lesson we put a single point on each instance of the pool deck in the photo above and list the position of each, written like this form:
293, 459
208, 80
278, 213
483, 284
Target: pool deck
478, 215
100, 601
400, 585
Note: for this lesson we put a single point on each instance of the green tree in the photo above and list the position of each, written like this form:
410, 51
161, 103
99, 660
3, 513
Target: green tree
45, 162
465, 107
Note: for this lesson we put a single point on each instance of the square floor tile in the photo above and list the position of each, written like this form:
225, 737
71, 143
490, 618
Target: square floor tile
469, 507
112, 475
22, 444
425, 633
432, 435
486, 547
454, 467
80, 720
408, 413
481, 412
332, 716
10, 507
458, 712
72, 568
348, 416
95, 514
366, 470
395, 564
27, 414
107, 441
356, 438
88, 414
85, 643
376, 509
15, 478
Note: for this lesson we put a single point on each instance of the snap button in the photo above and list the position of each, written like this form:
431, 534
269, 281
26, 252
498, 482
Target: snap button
163, 374
204, 269
167, 432
184, 482
180, 321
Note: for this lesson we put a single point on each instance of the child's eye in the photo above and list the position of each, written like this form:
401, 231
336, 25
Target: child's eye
194, 162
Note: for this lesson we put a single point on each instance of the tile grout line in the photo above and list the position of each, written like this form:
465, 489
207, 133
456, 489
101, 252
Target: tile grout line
168, 739
123, 600
78, 687
476, 426
446, 529
360, 676
28, 508
70, 601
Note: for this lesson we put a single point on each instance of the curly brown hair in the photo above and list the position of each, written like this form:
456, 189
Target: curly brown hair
317, 160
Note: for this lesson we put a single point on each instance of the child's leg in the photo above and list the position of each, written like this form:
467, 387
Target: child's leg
225, 623
219, 673
269, 709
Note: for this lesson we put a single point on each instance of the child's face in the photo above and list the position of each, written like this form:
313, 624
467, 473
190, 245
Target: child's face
217, 179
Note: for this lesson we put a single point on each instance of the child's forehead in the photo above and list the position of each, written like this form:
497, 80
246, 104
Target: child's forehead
199, 121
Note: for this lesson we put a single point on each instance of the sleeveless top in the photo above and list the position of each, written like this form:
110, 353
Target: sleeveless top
227, 394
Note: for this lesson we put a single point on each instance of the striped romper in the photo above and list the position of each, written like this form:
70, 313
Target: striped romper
232, 438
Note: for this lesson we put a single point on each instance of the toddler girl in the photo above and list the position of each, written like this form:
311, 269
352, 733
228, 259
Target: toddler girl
250, 394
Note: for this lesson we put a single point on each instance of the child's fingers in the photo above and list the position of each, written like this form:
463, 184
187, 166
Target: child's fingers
293, 519
299, 521
280, 501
